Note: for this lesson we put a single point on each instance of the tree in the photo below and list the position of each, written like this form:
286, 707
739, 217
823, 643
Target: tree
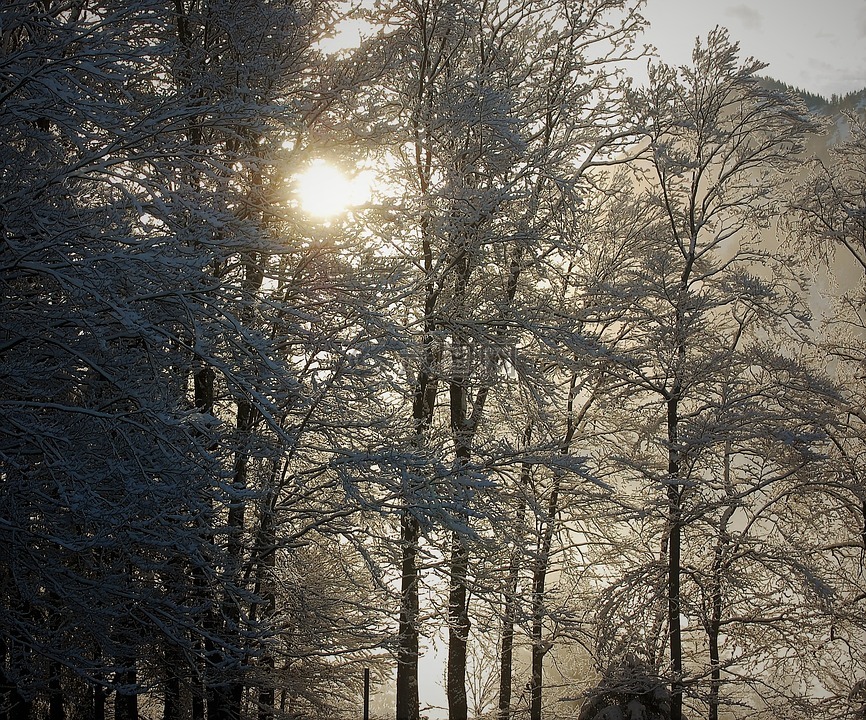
136, 226
483, 156
827, 224
690, 299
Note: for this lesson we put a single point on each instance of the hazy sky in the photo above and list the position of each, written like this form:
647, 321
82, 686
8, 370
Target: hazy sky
817, 45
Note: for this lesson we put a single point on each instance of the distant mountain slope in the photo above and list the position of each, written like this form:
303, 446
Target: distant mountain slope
818, 103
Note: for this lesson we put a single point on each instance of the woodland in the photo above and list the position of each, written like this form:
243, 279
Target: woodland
568, 409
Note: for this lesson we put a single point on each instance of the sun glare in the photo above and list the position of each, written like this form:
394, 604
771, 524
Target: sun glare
325, 192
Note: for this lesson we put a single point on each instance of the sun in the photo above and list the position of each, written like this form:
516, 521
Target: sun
324, 192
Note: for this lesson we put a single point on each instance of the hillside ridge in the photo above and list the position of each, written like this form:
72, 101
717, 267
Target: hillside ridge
833, 105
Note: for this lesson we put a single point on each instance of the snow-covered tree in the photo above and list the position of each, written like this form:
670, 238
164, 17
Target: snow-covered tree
144, 374
628, 691
494, 112
696, 296
827, 226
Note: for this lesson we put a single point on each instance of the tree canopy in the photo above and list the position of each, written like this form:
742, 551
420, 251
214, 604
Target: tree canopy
569, 402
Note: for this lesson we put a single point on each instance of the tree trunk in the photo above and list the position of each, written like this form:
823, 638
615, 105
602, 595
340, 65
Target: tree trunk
542, 560
506, 650
539, 648
423, 404
172, 707
509, 611
267, 692
198, 704
224, 701
458, 629
126, 700
56, 710
539, 580
407, 650
19, 708
203, 388
4, 683
226, 695
458, 611
536, 678
98, 702
265, 555
713, 637
674, 549
715, 620
506, 662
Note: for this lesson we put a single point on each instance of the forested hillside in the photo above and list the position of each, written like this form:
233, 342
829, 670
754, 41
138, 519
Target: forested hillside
568, 408
852, 101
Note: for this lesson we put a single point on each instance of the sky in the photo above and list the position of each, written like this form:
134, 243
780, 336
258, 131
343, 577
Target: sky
816, 45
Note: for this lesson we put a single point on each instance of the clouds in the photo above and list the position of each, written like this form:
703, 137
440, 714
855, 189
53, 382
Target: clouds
749, 17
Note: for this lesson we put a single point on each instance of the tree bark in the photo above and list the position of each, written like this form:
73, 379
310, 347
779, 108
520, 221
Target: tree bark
713, 638
542, 560
462, 432
423, 404
19, 708
172, 707
198, 704
509, 612
407, 651
98, 702
458, 629
540, 647
56, 709
126, 702
716, 608
265, 555
674, 550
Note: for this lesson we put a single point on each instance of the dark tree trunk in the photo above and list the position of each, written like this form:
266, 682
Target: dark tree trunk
716, 608
458, 610
541, 564
265, 559
203, 386
536, 678
126, 698
56, 710
98, 702
407, 652
224, 702
198, 704
267, 693
226, 695
19, 708
509, 611
713, 637
172, 707
674, 562
458, 630
540, 647
506, 649
16, 654
423, 404
539, 581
